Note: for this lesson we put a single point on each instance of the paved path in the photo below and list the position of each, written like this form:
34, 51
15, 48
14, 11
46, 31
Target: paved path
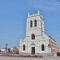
19, 58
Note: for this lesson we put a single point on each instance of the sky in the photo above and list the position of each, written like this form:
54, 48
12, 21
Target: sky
13, 17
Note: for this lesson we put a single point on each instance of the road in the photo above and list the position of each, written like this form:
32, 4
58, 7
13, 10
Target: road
20, 58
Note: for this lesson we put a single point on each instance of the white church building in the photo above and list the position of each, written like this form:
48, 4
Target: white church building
36, 41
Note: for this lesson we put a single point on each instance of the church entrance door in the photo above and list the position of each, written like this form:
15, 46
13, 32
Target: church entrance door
33, 50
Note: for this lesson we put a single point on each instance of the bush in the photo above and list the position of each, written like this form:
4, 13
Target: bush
58, 53
0, 50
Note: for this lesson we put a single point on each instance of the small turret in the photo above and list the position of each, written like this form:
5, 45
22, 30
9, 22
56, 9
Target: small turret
38, 12
28, 14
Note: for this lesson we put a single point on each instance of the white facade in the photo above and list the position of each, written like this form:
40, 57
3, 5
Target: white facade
36, 40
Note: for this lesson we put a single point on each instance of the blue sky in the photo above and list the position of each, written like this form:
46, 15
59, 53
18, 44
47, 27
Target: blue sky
13, 17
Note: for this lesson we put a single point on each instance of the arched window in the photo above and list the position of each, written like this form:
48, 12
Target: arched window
31, 23
35, 23
23, 47
43, 47
33, 36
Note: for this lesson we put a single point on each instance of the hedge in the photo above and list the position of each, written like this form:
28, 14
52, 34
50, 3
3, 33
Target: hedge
58, 53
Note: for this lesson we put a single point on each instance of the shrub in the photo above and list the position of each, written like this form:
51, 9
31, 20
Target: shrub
0, 50
58, 53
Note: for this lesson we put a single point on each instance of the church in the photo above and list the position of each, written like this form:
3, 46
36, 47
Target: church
36, 40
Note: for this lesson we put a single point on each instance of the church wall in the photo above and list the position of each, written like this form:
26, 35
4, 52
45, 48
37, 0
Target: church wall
53, 46
38, 42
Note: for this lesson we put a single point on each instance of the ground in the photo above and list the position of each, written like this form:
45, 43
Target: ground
20, 58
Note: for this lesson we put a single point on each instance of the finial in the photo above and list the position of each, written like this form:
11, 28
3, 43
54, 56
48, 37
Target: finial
33, 14
28, 14
38, 12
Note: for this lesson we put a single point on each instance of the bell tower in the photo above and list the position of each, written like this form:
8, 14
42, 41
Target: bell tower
35, 25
